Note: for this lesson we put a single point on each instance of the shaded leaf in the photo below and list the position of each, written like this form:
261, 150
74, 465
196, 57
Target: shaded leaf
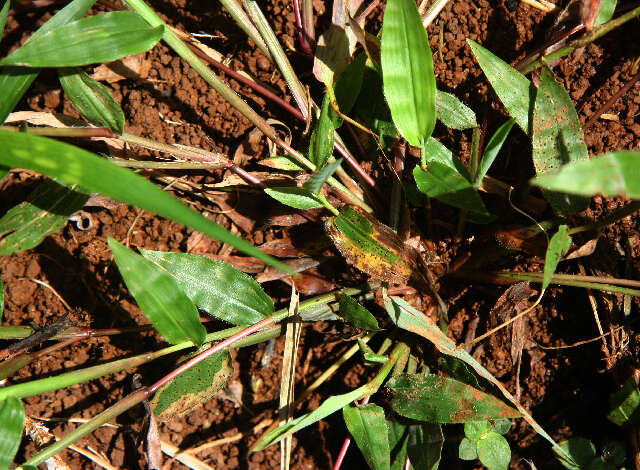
371, 108
494, 452
347, 88
99, 38
321, 144
356, 314
557, 138
193, 387
285, 162
216, 287
491, 150
440, 181
453, 113
581, 450
407, 71
314, 184
514, 89
11, 424
501, 426
292, 196
45, 211
443, 400
14, 81
76, 166
457, 369
625, 404
467, 450
613, 174
168, 308
434, 151
4, 12
425, 446
558, 247
368, 428
398, 435
92, 99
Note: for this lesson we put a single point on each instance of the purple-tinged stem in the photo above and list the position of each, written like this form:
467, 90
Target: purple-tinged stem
302, 37
354, 164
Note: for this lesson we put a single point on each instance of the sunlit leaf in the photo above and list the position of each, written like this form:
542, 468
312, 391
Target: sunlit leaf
45, 211
216, 287
161, 300
491, 150
443, 400
494, 451
76, 166
613, 174
314, 184
558, 247
453, 113
14, 81
356, 314
475, 430
99, 38
605, 12
557, 138
11, 424
298, 198
425, 446
285, 162
369, 430
321, 143
193, 387
4, 12
92, 99
407, 71
514, 89
467, 450
435, 151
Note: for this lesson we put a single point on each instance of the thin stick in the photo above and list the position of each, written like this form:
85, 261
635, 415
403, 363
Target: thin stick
610, 102
433, 11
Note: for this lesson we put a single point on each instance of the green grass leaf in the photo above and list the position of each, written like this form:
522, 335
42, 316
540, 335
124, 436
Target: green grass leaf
321, 144
453, 113
14, 81
216, 287
558, 247
168, 309
557, 138
605, 13
443, 400
407, 71
356, 314
45, 211
492, 149
99, 38
494, 452
625, 405
317, 180
4, 12
76, 166
292, 196
442, 182
92, 99
514, 89
347, 87
368, 428
11, 425
425, 446
581, 450
193, 387
613, 174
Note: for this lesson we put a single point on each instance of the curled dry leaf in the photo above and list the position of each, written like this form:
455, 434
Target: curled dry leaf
134, 67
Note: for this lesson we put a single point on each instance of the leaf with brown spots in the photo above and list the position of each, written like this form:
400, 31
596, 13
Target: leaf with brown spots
444, 400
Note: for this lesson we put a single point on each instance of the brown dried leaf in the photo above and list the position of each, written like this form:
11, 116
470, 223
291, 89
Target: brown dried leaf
131, 67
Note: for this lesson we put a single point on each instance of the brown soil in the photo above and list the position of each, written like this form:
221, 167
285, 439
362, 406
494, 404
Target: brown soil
567, 390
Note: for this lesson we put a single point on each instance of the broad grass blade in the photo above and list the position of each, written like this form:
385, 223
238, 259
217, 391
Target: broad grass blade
298, 198
216, 287
99, 38
76, 166
347, 87
168, 309
444, 400
514, 89
407, 71
368, 428
92, 99
613, 174
321, 144
11, 425
408, 318
558, 247
4, 12
354, 313
14, 81
45, 211
453, 113
492, 149
557, 138
317, 180
193, 387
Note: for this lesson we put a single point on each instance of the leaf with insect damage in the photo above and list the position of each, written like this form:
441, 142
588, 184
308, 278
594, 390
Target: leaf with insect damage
45, 211
368, 428
443, 400
193, 387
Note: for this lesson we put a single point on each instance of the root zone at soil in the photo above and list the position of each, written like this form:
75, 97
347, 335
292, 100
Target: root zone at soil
174, 105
